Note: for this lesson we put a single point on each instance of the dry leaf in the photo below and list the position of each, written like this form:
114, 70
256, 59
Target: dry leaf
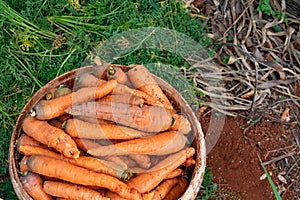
248, 94
285, 115
282, 179
231, 60
202, 110
263, 177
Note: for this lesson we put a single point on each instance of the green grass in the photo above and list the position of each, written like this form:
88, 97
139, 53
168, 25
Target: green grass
42, 39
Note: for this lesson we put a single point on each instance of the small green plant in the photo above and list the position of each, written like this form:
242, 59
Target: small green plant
208, 188
265, 7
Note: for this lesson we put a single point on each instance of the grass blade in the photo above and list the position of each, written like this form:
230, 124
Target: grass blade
276, 193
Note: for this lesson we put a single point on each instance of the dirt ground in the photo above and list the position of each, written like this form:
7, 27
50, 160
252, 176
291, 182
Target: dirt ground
234, 159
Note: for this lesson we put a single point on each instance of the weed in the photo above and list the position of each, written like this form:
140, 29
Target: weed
208, 188
265, 7
275, 191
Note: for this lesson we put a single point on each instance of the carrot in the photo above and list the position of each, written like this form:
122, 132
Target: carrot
116, 73
56, 107
50, 136
49, 95
131, 163
24, 139
87, 80
113, 196
147, 181
61, 91
22, 165
93, 120
142, 160
64, 117
81, 129
181, 124
86, 144
159, 144
124, 98
71, 191
189, 162
163, 189
176, 172
143, 80
147, 118
56, 123
123, 89
65, 171
33, 185
28, 150
178, 190
94, 164
116, 159
99, 70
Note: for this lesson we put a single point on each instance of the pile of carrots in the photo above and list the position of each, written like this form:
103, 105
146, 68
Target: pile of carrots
114, 135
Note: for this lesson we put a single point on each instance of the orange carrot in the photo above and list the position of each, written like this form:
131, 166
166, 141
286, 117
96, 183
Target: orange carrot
65, 171
131, 163
163, 189
178, 190
55, 123
71, 191
116, 73
81, 129
28, 150
50, 94
124, 98
100, 67
174, 173
86, 144
147, 181
94, 164
116, 159
50, 136
24, 139
61, 91
142, 160
159, 144
181, 124
22, 165
87, 80
113, 196
147, 118
64, 117
143, 80
123, 89
93, 120
33, 185
189, 162
56, 107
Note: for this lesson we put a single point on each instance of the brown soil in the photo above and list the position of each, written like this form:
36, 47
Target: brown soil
234, 159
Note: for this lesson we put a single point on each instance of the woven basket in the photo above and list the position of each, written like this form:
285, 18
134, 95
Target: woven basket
68, 78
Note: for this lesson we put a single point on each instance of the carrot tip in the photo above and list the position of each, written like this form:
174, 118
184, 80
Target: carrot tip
32, 113
49, 96
142, 101
111, 71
